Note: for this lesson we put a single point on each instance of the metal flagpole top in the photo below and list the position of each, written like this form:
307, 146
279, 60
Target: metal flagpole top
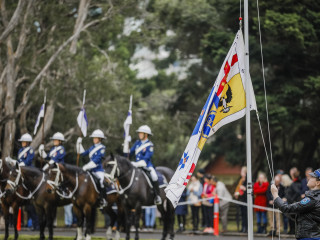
84, 97
130, 106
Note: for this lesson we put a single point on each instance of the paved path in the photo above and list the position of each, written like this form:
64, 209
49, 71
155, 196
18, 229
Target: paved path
155, 235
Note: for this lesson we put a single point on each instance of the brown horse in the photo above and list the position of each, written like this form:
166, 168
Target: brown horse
7, 201
72, 182
45, 203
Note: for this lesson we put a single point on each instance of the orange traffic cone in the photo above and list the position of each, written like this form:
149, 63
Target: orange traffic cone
216, 216
19, 220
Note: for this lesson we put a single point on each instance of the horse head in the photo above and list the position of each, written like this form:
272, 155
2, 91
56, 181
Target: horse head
55, 177
14, 179
110, 165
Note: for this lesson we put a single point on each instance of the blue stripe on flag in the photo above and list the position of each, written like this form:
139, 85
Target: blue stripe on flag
202, 114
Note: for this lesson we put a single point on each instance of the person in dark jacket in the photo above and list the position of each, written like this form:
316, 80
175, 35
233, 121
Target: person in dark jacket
307, 211
274, 222
304, 181
293, 194
182, 211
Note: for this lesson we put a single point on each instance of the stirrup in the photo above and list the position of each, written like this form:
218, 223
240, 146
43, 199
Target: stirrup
157, 200
103, 203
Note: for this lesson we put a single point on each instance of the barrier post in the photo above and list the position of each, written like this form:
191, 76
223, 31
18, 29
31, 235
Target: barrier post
19, 220
216, 216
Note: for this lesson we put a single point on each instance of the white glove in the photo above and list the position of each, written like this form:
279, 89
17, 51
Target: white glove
45, 167
89, 166
42, 153
10, 161
140, 163
21, 164
51, 162
79, 146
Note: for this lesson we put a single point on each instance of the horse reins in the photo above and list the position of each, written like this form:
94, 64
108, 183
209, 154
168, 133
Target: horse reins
111, 176
55, 184
14, 185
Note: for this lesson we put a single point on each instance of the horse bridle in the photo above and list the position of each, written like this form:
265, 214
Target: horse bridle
14, 184
56, 183
112, 177
115, 169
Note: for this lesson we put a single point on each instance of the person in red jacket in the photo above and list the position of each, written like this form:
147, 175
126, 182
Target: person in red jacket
260, 191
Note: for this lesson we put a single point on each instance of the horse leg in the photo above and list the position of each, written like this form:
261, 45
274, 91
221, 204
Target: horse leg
79, 214
42, 222
113, 216
15, 208
5, 210
136, 222
171, 217
165, 222
50, 213
87, 213
128, 222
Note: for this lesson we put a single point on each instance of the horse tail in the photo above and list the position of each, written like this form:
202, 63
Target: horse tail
93, 219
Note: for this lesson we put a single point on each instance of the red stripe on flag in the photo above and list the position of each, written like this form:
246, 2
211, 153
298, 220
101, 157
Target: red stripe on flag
185, 183
193, 166
189, 176
234, 59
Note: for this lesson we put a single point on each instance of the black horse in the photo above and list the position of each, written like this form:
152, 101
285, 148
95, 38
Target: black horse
10, 200
136, 191
45, 201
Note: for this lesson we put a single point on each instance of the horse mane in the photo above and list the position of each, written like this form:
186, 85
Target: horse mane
31, 171
72, 168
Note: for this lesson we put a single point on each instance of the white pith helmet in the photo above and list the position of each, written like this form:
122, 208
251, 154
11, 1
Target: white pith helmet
25, 138
58, 136
97, 134
144, 129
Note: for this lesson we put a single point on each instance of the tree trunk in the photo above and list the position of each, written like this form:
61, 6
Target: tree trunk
10, 126
82, 15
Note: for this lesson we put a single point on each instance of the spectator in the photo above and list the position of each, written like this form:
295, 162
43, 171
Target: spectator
223, 193
286, 182
260, 191
194, 193
294, 194
304, 182
208, 192
150, 218
200, 176
241, 195
68, 215
182, 211
274, 222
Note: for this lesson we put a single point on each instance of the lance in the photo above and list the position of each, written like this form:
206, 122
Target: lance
81, 134
44, 117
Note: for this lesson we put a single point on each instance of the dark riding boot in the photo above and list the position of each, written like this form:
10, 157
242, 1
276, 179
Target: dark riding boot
102, 198
157, 198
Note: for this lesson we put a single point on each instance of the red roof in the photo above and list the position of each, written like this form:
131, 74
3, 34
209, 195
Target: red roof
219, 166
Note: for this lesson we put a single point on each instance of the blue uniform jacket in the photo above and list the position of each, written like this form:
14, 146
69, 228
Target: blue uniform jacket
145, 154
27, 157
97, 157
58, 156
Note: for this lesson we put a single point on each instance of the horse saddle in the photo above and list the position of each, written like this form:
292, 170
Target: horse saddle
161, 178
109, 186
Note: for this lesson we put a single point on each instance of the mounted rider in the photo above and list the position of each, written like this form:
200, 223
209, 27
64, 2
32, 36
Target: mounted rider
143, 150
57, 152
96, 153
26, 152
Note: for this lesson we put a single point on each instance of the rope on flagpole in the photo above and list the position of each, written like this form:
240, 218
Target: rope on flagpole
271, 168
83, 101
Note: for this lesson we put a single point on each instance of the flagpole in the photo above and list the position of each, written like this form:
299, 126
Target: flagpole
83, 101
248, 124
44, 117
